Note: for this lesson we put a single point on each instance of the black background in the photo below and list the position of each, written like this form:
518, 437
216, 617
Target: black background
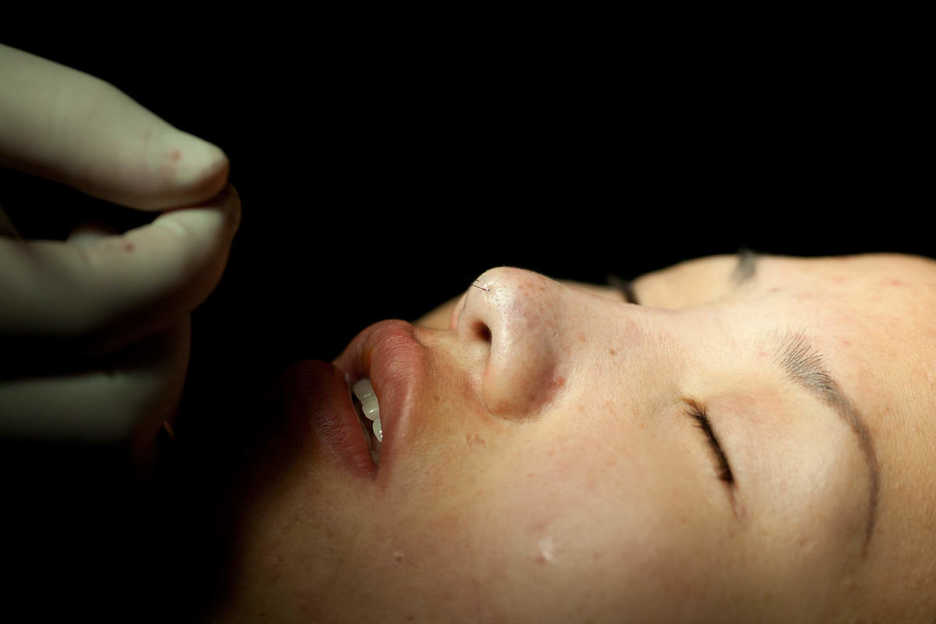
379, 176
381, 171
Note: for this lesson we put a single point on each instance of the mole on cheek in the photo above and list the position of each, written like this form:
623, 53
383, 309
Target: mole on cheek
175, 156
128, 246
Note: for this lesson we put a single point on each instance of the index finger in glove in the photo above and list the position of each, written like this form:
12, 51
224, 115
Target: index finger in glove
109, 292
74, 128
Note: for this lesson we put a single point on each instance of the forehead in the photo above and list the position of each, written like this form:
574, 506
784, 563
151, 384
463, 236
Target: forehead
872, 316
870, 298
894, 270
882, 296
887, 281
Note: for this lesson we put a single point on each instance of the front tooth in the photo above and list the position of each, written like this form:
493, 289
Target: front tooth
378, 430
371, 408
364, 391
365, 394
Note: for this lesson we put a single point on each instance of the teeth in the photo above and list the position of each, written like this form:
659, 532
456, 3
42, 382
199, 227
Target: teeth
378, 430
369, 405
365, 394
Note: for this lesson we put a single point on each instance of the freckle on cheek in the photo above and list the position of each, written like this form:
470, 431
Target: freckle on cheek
175, 156
128, 246
474, 439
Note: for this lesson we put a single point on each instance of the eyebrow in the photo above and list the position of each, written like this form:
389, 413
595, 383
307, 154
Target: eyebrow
803, 363
746, 268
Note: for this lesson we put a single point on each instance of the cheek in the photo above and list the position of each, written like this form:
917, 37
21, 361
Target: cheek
594, 530
545, 525
584, 511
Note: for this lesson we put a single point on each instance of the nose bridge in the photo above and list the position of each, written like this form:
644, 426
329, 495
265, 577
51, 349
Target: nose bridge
518, 314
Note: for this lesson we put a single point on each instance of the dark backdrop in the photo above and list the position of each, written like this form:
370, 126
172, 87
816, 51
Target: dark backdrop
379, 176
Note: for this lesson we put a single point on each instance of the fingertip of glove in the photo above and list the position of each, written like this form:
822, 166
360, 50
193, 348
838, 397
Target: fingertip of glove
198, 169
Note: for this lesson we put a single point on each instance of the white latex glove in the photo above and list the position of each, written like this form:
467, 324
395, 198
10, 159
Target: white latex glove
94, 331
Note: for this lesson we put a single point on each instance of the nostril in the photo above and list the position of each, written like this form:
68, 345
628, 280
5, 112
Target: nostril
481, 331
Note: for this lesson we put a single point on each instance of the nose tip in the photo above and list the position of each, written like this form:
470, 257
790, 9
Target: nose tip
516, 316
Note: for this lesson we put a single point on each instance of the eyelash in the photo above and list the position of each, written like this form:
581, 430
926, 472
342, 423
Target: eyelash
696, 411
699, 416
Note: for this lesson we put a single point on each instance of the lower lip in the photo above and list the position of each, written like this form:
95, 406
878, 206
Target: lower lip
316, 393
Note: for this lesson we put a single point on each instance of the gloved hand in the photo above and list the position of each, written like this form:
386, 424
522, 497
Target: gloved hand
94, 331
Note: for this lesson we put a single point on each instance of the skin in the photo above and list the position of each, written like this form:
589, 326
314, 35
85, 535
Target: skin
561, 479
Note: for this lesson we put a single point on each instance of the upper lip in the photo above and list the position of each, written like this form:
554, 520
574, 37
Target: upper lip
388, 354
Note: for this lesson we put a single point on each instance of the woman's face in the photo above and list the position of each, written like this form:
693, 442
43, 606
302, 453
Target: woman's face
750, 443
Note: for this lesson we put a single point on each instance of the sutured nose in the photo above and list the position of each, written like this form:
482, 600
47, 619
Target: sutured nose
516, 316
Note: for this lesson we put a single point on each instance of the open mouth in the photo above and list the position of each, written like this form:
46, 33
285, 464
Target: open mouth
384, 361
367, 408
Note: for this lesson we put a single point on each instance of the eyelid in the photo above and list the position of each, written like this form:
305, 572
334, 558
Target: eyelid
697, 412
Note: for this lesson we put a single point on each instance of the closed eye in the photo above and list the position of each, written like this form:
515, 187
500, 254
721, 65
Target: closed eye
625, 287
696, 411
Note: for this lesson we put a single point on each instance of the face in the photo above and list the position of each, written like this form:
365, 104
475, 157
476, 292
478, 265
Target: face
749, 443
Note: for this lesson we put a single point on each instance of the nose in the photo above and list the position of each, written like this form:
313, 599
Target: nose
515, 316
